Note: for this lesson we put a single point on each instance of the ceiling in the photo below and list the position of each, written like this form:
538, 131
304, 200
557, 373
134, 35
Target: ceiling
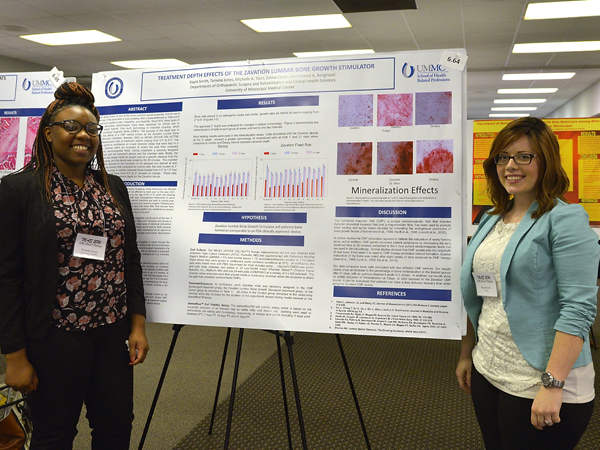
206, 31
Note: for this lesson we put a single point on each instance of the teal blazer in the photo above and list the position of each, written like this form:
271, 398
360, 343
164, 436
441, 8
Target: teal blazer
548, 274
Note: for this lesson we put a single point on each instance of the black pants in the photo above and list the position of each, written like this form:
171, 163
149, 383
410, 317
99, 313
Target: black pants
74, 367
505, 420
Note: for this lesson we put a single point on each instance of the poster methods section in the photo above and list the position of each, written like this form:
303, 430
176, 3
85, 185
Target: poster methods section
311, 195
579, 141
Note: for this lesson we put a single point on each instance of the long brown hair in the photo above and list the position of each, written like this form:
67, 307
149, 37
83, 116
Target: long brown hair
67, 95
553, 181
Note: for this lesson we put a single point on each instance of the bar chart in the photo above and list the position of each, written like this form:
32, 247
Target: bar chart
234, 182
306, 179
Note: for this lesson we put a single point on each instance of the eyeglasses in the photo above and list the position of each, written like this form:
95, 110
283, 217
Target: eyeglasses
74, 127
520, 158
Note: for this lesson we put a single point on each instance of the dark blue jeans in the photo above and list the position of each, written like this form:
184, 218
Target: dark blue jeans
74, 367
505, 420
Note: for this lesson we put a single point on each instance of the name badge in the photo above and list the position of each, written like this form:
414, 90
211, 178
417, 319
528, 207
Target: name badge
486, 284
90, 247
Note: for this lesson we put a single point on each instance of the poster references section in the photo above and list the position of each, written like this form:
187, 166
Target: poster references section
321, 195
579, 141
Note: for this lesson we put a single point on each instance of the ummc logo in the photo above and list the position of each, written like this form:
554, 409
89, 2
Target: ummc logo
408, 70
114, 87
36, 84
431, 68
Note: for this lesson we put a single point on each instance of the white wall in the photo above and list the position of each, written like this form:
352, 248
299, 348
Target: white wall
586, 104
16, 65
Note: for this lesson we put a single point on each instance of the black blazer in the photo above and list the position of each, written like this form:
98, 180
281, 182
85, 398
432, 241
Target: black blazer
29, 259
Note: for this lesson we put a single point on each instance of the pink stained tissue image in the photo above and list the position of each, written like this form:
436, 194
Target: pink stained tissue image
433, 108
355, 111
394, 110
355, 158
394, 158
9, 136
435, 156
33, 124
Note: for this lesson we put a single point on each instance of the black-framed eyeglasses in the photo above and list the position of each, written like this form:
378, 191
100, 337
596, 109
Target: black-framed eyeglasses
520, 158
73, 127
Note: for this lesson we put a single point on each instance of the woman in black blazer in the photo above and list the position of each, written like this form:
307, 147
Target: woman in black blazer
72, 321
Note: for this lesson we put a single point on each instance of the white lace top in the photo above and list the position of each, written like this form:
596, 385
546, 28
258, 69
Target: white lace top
496, 355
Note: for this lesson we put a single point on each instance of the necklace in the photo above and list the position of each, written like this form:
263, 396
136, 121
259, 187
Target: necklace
516, 219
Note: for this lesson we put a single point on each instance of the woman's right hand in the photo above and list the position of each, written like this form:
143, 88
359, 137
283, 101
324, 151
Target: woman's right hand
463, 373
465, 361
20, 374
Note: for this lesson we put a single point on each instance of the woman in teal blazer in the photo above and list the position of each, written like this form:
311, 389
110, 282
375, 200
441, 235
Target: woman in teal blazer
529, 287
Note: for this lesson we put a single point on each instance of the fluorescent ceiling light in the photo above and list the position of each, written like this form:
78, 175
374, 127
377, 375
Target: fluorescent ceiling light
509, 115
555, 47
514, 108
520, 100
298, 23
528, 91
71, 38
538, 76
561, 10
332, 53
150, 63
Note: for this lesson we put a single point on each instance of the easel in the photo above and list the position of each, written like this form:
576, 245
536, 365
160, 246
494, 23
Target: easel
289, 342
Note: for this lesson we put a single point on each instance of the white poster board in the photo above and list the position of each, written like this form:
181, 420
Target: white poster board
311, 195
23, 99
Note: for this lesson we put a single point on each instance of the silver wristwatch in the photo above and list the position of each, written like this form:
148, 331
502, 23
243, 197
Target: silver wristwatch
549, 381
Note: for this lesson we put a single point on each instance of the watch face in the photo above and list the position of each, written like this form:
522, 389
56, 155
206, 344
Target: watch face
547, 379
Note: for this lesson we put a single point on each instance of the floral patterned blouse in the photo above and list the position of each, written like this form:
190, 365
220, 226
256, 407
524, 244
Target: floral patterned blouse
90, 293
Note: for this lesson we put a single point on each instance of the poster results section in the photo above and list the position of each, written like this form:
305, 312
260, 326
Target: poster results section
310, 195
23, 99
579, 141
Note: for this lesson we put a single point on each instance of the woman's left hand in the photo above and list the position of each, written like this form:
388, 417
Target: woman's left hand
138, 342
545, 410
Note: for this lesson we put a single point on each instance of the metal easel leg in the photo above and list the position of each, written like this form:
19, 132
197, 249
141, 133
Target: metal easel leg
360, 417
233, 385
285, 403
214, 410
290, 341
176, 329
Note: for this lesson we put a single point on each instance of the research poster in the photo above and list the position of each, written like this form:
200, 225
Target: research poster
310, 195
579, 141
23, 99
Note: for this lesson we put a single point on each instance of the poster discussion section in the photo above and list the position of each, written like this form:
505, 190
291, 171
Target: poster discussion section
300, 194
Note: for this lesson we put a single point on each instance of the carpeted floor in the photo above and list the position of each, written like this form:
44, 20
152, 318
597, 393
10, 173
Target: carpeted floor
406, 387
